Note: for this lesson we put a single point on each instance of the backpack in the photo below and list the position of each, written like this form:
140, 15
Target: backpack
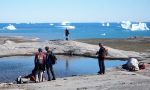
53, 58
141, 66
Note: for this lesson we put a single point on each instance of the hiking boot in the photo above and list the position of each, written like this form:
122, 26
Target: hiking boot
49, 79
53, 78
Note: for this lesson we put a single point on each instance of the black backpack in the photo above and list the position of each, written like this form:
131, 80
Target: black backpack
53, 58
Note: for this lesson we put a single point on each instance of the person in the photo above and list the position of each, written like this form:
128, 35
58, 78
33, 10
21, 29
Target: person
133, 64
102, 53
49, 63
66, 34
39, 65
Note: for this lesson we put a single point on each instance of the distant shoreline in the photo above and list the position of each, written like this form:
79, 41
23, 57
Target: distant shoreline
139, 44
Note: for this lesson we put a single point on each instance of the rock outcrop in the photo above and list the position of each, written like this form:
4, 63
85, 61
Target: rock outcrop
11, 48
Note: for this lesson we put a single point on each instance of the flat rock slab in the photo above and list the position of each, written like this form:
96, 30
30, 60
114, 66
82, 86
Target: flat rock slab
11, 48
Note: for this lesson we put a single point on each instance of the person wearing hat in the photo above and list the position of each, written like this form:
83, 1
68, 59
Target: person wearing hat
102, 53
39, 65
49, 64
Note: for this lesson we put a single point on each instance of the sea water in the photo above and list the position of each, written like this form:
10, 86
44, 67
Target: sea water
50, 31
13, 67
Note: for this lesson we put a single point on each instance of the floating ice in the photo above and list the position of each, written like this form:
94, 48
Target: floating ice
10, 27
126, 24
134, 27
106, 24
140, 26
65, 23
51, 24
103, 34
68, 27
103, 24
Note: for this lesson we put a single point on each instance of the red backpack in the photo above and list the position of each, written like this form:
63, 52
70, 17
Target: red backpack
141, 66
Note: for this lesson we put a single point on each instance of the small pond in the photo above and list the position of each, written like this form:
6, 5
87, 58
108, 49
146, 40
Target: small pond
12, 67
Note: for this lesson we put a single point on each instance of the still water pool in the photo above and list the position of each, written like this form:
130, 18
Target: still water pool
12, 67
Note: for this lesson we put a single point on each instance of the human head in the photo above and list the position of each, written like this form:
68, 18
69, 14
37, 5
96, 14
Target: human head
40, 49
46, 48
100, 45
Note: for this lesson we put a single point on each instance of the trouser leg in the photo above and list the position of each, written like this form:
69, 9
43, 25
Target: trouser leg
48, 73
52, 72
103, 67
37, 76
99, 64
41, 76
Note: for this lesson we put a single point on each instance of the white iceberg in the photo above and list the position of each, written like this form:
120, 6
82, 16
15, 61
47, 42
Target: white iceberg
103, 24
103, 34
126, 24
65, 23
10, 27
68, 27
134, 27
51, 24
140, 26
106, 24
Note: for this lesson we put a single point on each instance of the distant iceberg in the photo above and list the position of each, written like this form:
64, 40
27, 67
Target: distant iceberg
126, 24
65, 23
10, 27
103, 34
106, 24
51, 24
134, 27
68, 27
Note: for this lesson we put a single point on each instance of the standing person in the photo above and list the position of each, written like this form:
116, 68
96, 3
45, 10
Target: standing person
66, 34
39, 65
49, 63
102, 53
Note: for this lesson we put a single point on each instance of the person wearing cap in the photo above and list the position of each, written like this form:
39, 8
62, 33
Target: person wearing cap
49, 64
39, 62
102, 53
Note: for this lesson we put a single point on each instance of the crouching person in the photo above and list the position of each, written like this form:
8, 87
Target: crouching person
39, 65
133, 64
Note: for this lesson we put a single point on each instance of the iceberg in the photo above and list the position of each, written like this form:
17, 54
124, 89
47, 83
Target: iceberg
65, 23
103, 24
134, 27
106, 24
51, 24
126, 24
68, 27
140, 26
103, 34
10, 27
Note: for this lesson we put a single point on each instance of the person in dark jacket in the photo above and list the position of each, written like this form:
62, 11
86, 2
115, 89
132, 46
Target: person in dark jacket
66, 34
102, 53
49, 64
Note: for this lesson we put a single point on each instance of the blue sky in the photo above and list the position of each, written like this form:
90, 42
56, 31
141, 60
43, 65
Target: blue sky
74, 10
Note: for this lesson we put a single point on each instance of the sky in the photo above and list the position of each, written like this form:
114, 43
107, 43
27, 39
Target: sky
74, 10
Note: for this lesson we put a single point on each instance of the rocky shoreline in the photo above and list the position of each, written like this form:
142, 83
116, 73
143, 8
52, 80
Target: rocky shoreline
11, 47
115, 79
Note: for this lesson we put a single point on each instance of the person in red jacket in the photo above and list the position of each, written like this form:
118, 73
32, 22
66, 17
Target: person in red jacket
39, 65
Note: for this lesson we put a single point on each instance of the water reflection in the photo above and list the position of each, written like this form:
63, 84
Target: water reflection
12, 67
